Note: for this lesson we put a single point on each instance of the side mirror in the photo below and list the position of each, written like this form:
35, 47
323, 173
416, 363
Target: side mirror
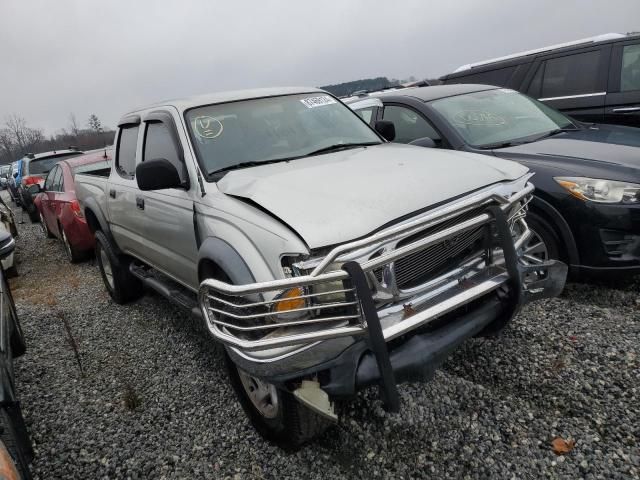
387, 129
424, 142
34, 189
15, 175
157, 174
7, 244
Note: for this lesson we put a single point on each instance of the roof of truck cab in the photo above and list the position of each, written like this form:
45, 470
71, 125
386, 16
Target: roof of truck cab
231, 96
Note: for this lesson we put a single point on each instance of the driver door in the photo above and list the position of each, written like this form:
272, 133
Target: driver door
410, 125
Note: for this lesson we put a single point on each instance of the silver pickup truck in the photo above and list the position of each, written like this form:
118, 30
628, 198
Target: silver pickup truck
324, 258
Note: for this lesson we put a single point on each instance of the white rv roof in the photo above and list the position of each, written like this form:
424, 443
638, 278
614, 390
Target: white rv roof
597, 38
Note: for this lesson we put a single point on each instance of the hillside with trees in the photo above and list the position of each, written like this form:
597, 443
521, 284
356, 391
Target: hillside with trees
18, 138
368, 84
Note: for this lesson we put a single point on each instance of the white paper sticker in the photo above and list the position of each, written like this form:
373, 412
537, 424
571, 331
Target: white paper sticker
320, 101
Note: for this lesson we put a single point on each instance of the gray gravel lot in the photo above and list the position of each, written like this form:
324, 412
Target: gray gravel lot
152, 400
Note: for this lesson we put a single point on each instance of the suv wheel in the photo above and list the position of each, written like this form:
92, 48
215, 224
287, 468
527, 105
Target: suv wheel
120, 283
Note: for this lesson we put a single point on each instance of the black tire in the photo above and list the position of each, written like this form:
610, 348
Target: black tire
540, 227
11, 272
33, 214
293, 425
45, 229
17, 341
73, 254
120, 283
9, 438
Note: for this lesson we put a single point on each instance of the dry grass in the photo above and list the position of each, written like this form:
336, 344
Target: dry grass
40, 290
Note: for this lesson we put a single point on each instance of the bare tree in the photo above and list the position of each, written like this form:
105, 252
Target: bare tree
17, 125
23, 138
94, 123
74, 129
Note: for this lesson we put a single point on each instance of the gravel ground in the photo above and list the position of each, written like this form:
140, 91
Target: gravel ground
147, 397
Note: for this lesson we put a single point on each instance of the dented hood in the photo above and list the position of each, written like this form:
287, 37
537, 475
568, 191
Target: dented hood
333, 198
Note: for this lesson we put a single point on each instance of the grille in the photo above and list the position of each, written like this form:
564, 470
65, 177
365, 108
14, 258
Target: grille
419, 267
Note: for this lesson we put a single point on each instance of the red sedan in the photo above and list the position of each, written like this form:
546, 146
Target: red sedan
58, 207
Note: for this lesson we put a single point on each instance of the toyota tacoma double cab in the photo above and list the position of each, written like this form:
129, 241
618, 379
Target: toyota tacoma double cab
322, 257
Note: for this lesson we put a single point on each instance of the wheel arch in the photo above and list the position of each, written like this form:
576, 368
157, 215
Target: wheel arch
554, 218
218, 259
97, 221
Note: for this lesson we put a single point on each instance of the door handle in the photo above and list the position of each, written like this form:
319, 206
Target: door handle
140, 203
112, 193
626, 110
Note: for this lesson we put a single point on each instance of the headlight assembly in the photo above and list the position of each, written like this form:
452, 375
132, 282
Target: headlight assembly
601, 191
324, 289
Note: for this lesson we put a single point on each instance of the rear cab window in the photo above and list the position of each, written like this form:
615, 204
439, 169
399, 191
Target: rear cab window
91, 167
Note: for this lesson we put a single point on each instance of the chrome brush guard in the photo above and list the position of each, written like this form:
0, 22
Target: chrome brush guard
326, 301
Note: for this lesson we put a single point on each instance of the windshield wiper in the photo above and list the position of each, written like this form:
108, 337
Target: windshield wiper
340, 146
219, 173
506, 144
491, 146
557, 131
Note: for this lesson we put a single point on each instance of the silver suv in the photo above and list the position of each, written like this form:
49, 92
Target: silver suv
324, 258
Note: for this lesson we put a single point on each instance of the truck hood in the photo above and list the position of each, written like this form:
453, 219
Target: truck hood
333, 198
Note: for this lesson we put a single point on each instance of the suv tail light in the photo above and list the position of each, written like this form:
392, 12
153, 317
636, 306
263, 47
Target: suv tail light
75, 208
30, 180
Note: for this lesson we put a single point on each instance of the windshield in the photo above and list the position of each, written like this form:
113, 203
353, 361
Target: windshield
274, 128
499, 117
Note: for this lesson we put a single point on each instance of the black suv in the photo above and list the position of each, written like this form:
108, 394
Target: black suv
586, 206
593, 80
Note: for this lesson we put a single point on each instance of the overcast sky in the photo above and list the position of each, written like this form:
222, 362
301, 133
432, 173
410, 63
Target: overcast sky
110, 56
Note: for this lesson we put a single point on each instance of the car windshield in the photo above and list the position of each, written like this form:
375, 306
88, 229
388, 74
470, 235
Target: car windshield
263, 130
499, 117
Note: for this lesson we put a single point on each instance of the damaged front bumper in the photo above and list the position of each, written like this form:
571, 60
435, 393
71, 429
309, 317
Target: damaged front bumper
330, 325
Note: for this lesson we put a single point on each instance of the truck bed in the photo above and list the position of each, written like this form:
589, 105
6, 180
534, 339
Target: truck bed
92, 185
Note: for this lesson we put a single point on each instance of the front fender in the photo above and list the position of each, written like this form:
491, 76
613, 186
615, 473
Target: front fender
227, 258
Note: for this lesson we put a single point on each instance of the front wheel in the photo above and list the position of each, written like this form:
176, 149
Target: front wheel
120, 283
274, 413
543, 244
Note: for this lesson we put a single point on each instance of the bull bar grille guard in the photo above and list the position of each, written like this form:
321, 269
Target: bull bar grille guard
241, 317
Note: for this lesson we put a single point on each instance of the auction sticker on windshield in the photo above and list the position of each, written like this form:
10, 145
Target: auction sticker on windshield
320, 101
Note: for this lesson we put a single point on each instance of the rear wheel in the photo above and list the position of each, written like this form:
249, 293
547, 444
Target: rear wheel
73, 254
120, 283
33, 214
45, 229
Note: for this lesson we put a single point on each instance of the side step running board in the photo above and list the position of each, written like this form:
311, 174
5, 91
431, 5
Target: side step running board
169, 290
